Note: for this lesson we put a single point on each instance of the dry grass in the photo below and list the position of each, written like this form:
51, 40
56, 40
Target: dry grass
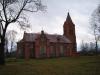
84, 65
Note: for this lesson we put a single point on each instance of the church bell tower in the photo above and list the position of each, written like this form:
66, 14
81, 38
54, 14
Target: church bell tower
69, 31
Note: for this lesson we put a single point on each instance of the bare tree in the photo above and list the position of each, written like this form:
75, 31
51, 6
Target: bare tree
95, 26
11, 35
84, 48
95, 30
14, 11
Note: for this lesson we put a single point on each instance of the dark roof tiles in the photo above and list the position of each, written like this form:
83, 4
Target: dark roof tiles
31, 37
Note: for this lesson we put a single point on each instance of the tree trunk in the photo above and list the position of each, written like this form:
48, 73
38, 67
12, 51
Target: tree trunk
96, 48
11, 49
2, 46
2, 55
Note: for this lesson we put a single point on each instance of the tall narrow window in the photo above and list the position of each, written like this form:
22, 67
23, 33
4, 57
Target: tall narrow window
52, 51
43, 46
32, 52
62, 50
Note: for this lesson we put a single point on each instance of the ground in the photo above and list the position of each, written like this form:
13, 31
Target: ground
82, 65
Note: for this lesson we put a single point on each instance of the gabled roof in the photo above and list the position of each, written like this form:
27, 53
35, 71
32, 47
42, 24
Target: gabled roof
31, 37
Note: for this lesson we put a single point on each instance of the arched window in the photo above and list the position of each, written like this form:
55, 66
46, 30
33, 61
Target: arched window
42, 50
52, 51
62, 50
42, 46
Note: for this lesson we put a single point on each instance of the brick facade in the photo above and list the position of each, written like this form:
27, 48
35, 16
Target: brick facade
42, 45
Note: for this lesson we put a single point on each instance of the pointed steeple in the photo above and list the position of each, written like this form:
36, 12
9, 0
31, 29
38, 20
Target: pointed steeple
68, 19
68, 16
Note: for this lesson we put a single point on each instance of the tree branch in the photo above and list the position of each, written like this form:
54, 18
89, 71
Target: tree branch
30, 10
24, 4
1, 25
1, 18
4, 10
1, 29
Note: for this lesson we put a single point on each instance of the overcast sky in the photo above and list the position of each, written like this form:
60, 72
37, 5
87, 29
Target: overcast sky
53, 19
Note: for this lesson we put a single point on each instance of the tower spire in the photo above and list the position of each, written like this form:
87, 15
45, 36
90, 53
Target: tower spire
68, 19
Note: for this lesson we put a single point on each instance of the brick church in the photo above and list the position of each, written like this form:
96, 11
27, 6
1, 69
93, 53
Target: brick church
43, 45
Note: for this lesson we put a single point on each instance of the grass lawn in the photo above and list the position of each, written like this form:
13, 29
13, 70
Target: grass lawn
83, 65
